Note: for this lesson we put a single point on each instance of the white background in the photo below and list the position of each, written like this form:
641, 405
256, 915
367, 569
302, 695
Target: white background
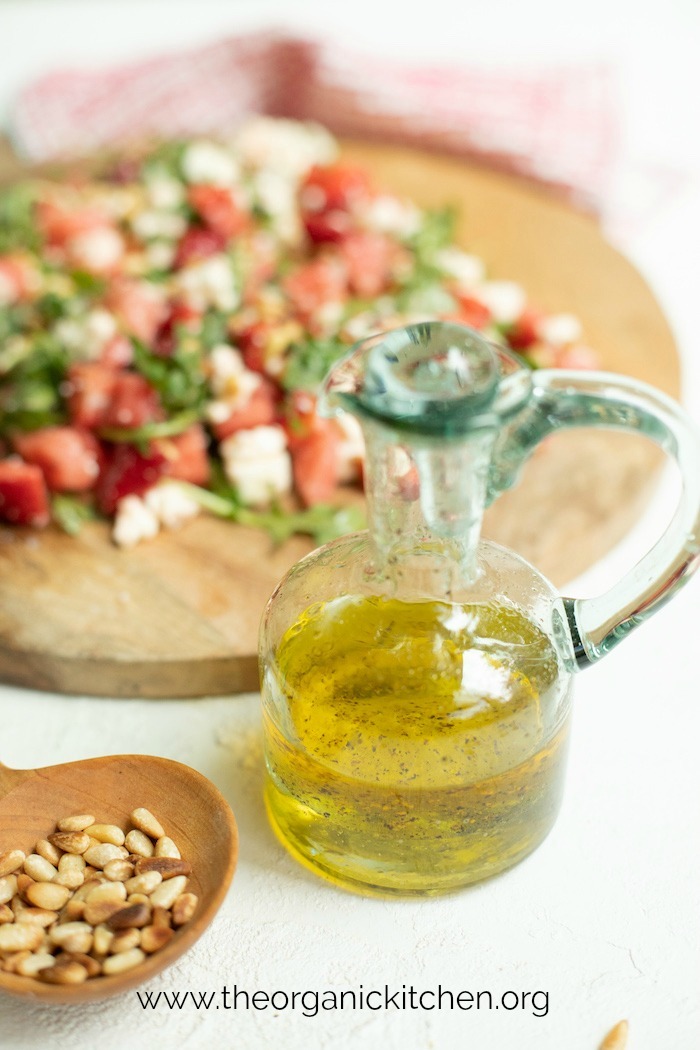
604, 916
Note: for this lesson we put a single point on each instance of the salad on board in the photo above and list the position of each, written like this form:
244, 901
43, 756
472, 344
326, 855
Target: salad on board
165, 327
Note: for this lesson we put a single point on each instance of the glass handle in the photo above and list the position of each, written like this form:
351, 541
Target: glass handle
563, 399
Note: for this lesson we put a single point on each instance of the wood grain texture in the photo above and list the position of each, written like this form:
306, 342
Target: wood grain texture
179, 616
192, 811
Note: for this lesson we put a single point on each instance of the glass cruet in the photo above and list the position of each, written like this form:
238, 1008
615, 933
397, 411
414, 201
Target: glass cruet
416, 679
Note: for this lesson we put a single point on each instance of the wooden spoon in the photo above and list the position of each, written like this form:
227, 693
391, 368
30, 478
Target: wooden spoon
192, 811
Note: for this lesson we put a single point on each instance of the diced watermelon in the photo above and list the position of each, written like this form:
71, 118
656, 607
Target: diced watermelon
472, 312
218, 210
197, 244
15, 279
368, 257
261, 410
133, 402
316, 464
328, 197
117, 352
24, 499
186, 454
68, 457
315, 284
139, 306
90, 387
523, 334
127, 472
59, 224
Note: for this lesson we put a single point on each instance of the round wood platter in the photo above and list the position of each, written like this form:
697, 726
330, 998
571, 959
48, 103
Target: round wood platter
178, 616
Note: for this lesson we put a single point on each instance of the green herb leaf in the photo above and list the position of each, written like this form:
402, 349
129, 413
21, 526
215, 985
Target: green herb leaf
179, 379
149, 431
70, 513
309, 362
17, 226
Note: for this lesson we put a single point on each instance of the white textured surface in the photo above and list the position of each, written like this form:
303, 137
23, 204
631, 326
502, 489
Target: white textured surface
605, 915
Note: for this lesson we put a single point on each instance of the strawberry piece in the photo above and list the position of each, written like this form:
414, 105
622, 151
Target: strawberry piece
523, 334
24, 499
68, 457
328, 198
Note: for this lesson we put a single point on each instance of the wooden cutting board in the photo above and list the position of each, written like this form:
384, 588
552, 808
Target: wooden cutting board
179, 616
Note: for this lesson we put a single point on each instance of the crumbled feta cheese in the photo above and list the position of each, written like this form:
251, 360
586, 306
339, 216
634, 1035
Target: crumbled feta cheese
164, 193
209, 283
160, 255
149, 224
171, 504
287, 146
276, 195
231, 382
351, 452
85, 337
467, 270
505, 299
134, 521
256, 461
559, 329
211, 163
98, 250
388, 214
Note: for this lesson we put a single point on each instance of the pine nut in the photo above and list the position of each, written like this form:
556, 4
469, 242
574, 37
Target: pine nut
24, 881
145, 883
19, 937
123, 962
102, 939
11, 962
10, 861
70, 841
72, 862
106, 833
8, 888
125, 940
118, 870
77, 823
167, 866
44, 848
71, 879
100, 911
165, 847
86, 889
108, 891
92, 966
38, 916
153, 938
138, 843
39, 869
32, 964
72, 936
184, 908
144, 820
47, 895
64, 973
138, 898
132, 915
6, 914
161, 917
101, 854
167, 893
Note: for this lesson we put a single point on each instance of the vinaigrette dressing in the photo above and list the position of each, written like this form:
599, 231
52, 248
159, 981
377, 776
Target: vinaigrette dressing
410, 744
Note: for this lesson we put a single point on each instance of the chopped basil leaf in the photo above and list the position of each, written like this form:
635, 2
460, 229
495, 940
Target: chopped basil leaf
70, 513
149, 431
308, 363
178, 379
17, 226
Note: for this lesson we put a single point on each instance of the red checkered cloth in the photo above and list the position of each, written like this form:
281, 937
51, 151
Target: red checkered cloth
555, 125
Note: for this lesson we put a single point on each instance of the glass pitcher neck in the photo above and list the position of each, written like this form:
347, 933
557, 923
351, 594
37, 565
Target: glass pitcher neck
426, 497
